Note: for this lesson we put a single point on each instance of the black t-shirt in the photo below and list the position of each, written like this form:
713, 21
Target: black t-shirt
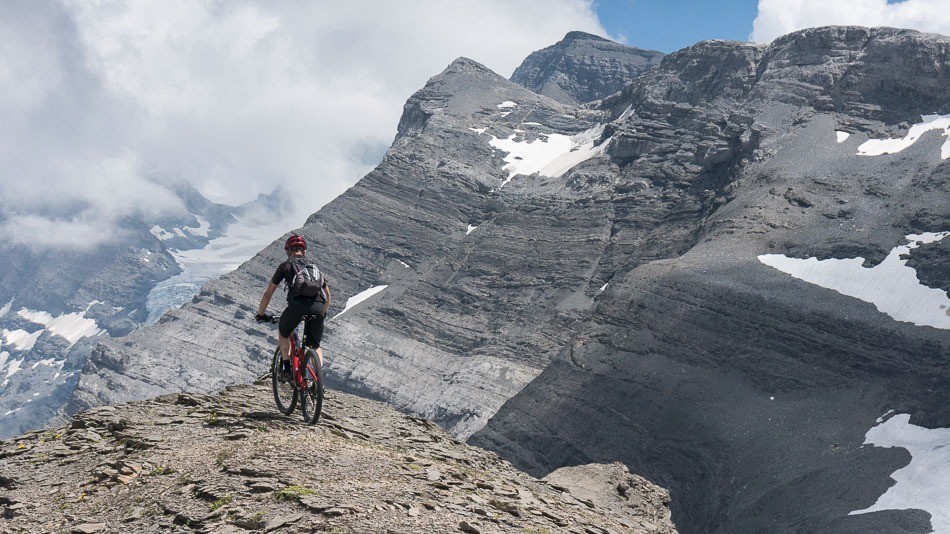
285, 273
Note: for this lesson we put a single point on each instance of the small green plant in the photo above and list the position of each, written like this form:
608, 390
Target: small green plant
257, 517
49, 435
221, 502
221, 457
293, 493
414, 467
213, 418
160, 470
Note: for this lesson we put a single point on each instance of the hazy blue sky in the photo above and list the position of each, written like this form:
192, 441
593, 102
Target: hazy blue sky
666, 25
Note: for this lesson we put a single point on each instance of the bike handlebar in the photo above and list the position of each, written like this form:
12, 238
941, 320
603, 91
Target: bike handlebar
266, 318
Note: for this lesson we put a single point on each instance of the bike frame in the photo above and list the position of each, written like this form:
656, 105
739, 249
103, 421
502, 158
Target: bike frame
296, 356
297, 353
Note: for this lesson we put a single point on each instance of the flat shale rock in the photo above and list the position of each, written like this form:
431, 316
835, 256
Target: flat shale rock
172, 463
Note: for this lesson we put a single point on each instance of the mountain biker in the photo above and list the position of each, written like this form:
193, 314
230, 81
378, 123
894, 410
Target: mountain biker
297, 306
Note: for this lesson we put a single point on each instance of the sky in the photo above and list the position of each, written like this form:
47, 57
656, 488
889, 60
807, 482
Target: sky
104, 102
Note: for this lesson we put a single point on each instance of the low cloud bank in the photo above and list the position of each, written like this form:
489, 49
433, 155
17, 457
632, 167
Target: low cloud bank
103, 102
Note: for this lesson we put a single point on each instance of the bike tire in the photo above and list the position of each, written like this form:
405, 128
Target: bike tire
285, 394
311, 401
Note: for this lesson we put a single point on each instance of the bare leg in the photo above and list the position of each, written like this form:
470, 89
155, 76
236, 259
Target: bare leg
284, 343
320, 355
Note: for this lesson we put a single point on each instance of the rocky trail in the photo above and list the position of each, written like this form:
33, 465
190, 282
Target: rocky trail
231, 463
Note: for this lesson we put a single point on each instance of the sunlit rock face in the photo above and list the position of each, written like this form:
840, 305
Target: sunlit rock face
613, 304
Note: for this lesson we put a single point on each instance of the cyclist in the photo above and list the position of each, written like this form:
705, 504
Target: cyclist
297, 305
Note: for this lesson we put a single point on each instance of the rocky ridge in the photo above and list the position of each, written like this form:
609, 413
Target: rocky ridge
230, 463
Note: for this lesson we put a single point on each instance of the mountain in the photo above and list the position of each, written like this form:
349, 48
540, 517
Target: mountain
58, 302
583, 68
710, 276
231, 463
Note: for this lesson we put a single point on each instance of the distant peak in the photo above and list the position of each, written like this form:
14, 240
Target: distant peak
466, 63
582, 36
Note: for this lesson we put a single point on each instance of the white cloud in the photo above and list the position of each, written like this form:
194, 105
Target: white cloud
778, 17
101, 100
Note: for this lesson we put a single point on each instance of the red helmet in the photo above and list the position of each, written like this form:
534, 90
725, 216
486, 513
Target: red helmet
295, 241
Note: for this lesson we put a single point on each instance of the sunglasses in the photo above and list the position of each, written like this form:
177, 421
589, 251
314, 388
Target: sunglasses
295, 249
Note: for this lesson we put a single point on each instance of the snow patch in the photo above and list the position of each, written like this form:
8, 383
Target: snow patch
507, 104
891, 286
842, 136
201, 230
877, 147
161, 233
479, 131
924, 484
21, 339
70, 326
626, 113
6, 308
49, 362
404, 264
551, 155
470, 229
360, 297
12, 366
603, 287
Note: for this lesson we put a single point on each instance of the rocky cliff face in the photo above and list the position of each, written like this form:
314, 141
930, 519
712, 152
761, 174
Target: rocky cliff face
231, 463
621, 280
583, 68
737, 384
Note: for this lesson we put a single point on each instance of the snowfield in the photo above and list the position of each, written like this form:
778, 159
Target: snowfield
925, 482
891, 285
878, 147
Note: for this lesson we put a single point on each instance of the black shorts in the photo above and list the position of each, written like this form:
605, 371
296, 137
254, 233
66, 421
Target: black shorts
294, 313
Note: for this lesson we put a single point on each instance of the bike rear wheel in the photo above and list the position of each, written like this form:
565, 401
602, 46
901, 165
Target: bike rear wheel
311, 401
285, 394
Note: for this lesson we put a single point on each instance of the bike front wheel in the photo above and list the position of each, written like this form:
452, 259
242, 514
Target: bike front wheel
285, 394
311, 401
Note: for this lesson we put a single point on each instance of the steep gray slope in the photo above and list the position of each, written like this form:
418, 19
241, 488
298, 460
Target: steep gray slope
583, 68
619, 310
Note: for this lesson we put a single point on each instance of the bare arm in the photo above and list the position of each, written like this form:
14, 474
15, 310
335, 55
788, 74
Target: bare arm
265, 299
326, 305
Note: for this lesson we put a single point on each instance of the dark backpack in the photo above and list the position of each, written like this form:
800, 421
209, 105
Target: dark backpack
308, 280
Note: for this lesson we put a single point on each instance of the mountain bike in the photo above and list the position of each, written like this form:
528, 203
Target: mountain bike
306, 381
